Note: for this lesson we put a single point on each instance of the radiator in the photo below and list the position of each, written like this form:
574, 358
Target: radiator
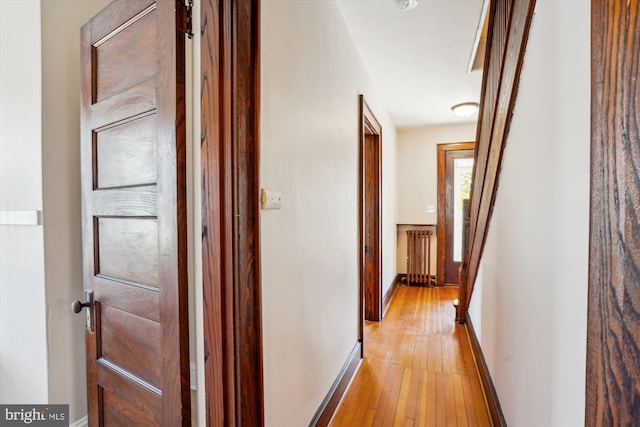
418, 257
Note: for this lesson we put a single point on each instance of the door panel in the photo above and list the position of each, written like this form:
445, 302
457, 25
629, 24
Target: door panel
123, 403
128, 249
126, 154
131, 342
134, 224
127, 57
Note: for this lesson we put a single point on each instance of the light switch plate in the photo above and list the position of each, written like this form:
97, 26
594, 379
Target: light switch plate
431, 209
270, 199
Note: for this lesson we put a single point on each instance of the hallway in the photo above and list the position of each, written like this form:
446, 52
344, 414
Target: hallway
418, 369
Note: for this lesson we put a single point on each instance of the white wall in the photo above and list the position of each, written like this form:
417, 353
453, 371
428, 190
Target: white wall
23, 341
61, 22
417, 182
530, 303
40, 165
311, 78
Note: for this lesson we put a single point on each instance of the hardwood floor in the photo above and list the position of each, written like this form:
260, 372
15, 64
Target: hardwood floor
418, 368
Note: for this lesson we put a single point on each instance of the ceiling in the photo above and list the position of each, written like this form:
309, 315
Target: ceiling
418, 59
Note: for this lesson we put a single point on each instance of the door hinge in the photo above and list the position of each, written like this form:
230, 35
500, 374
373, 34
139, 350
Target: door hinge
185, 18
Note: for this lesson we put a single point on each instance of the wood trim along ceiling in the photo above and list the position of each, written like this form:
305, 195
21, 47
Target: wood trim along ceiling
230, 73
613, 325
509, 24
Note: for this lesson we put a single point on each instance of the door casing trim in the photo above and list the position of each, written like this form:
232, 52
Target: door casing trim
230, 99
368, 125
442, 215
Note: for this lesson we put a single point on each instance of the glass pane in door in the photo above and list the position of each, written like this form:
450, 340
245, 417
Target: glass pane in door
462, 170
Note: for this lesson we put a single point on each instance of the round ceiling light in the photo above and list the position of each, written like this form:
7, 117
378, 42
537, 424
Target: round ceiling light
406, 4
465, 109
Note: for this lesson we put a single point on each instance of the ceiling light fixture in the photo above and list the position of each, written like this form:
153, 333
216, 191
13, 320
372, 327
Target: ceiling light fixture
406, 4
465, 109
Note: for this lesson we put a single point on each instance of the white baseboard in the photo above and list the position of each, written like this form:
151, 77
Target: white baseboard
192, 376
82, 422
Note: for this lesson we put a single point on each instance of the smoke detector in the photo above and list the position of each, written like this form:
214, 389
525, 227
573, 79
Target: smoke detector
406, 4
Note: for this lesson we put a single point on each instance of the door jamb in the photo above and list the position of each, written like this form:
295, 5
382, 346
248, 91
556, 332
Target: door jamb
442, 215
368, 124
230, 94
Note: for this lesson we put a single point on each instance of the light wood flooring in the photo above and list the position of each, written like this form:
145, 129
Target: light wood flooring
418, 368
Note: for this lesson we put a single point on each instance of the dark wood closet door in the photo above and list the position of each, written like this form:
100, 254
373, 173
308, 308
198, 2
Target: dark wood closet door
134, 224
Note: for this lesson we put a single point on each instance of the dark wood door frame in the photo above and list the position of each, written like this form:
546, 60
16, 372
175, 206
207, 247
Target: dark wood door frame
442, 215
613, 330
370, 132
230, 92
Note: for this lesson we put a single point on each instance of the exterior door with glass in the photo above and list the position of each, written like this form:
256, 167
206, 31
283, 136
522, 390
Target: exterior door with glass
455, 168
459, 167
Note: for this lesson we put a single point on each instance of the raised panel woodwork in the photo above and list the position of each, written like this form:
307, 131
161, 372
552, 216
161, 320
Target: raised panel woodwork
131, 343
126, 154
119, 411
138, 299
115, 15
128, 249
134, 214
125, 56
125, 403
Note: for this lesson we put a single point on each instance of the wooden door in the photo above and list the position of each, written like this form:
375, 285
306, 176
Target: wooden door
134, 223
451, 262
371, 248
373, 306
448, 265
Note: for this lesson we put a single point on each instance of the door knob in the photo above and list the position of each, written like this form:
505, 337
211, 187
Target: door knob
77, 306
